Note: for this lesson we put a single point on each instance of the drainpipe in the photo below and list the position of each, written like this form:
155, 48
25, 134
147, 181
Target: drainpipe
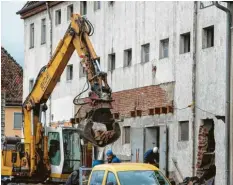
194, 85
50, 56
227, 106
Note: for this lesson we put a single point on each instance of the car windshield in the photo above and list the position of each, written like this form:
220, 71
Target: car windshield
142, 178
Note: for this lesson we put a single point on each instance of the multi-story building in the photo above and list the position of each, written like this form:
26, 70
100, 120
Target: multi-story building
165, 64
12, 94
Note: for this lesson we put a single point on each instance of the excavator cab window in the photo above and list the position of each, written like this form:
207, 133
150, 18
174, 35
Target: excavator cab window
54, 148
71, 143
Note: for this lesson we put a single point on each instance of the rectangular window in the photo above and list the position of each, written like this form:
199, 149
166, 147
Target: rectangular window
183, 130
32, 35
145, 53
127, 57
185, 43
58, 17
96, 5
43, 31
126, 135
111, 62
164, 48
83, 7
208, 37
69, 72
18, 120
82, 71
70, 10
31, 84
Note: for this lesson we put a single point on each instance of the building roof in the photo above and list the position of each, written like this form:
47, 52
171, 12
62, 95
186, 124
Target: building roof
34, 7
11, 79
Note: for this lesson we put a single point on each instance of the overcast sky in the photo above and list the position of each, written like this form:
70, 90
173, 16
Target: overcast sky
12, 30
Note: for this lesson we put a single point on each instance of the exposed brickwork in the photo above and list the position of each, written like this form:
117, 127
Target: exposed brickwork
143, 99
11, 79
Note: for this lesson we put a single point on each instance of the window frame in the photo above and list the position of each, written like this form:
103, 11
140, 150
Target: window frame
32, 36
59, 136
31, 85
127, 63
205, 37
82, 7
162, 48
43, 30
111, 61
17, 128
69, 14
181, 130
56, 17
97, 6
144, 53
68, 76
128, 134
183, 40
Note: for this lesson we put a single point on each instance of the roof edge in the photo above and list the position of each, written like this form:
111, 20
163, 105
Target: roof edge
23, 10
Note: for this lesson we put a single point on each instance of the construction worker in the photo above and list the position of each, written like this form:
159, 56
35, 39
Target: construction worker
111, 157
152, 156
73, 178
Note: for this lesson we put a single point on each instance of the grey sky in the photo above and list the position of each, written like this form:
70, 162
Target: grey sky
12, 29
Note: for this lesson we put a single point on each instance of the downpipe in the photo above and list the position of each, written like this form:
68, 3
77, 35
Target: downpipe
227, 105
194, 86
50, 55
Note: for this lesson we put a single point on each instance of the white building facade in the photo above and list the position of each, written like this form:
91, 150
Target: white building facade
165, 42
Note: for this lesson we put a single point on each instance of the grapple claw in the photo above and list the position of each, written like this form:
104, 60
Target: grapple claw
101, 138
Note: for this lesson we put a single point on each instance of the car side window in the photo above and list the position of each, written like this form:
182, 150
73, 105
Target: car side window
97, 177
111, 179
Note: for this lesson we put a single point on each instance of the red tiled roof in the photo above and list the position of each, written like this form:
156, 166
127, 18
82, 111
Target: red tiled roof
11, 79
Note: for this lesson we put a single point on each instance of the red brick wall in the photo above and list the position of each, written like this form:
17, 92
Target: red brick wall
143, 99
11, 79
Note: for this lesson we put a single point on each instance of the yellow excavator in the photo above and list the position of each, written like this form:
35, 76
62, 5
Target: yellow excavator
49, 154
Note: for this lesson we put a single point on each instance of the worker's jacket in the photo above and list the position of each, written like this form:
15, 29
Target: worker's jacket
73, 179
115, 160
151, 157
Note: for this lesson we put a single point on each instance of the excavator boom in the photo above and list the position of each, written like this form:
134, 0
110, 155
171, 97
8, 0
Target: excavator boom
35, 146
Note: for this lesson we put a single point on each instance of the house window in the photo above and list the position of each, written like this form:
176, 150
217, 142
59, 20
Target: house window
145, 53
127, 57
111, 62
126, 135
70, 11
111, 3
43, 31
164, 50
208, 37
69, 72
83, 7
96, 5
183, 130
58, 17
82, 71
185, 43
32, 35
18, 120
31, 84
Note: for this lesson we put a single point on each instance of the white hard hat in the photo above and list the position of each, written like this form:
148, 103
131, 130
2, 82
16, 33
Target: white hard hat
155, 149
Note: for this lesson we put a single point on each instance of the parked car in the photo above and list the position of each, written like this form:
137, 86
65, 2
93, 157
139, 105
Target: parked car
127, 174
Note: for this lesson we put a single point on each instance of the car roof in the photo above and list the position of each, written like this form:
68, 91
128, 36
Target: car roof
125, 167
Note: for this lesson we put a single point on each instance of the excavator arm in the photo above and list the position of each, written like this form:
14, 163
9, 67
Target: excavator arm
75, 38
